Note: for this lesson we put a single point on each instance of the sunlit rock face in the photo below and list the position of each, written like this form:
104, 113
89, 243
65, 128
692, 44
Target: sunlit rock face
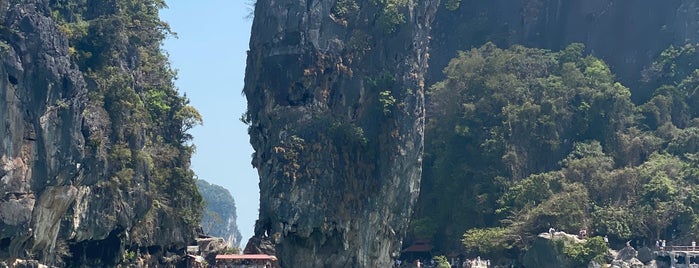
335, 102
336, 111
41, 100
627, 34
61, 201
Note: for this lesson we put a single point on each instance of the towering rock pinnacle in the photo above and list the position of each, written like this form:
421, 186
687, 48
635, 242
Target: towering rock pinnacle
336, 111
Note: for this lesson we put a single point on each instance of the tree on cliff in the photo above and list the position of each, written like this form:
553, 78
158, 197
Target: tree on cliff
130, 188
524, 139
502, 115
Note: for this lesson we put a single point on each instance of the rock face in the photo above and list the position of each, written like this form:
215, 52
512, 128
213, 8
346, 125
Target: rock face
211, 246
627, 34
77, 188
42, 98
545, 253
219, 218
335, 101
336, 111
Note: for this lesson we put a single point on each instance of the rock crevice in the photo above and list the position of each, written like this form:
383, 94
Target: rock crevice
336, 111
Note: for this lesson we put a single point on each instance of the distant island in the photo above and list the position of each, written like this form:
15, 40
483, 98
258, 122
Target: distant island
219, 217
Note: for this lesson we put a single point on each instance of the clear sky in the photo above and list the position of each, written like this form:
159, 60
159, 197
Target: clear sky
209, 54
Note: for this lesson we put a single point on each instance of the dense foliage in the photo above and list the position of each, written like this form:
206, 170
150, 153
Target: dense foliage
219, 218
519, 140
581, 254
141, 121
388, 17
442, 262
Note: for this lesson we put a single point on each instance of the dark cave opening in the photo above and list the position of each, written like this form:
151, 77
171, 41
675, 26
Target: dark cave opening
13, 80
154, 250
5, 243
98, 252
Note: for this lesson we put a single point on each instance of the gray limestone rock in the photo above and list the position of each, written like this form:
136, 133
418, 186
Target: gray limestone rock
627, 253
60, 201
630, 263
336, 112
593, 264
544, 253
645, 255
640, 30
42, 97
260, 245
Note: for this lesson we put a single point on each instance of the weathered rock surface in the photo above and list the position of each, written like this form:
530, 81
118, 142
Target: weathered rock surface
335, 102
631, 263
61, 202
18, 263
626, 34
627, 253
260, 245
545, 254
629, 257
42, 97
211, 246
645, 254
336, 110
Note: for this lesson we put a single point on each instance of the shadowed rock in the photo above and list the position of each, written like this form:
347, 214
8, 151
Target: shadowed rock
336, 111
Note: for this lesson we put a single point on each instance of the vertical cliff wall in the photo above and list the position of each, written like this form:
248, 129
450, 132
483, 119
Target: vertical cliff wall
627, 34
94, 166
42, 98
336, 111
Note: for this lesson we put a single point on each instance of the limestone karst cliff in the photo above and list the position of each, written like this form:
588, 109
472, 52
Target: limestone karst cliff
627, 34
94, 164
335, 96
336, 111
219, 218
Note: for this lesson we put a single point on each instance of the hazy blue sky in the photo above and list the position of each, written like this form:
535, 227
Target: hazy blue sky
210, 54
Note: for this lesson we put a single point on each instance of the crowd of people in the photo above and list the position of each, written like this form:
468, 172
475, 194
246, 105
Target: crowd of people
468, 263
416, 263
476, 263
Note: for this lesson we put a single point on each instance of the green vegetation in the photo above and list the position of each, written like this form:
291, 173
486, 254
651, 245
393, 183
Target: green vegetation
129, 255
489, 241
387, 101
348, 133
220, 214
423, 228
442, 261
359, 44
582, 253
345, 8
144, 139
390, 15
452, 5
519, 140
231, 250
383, 84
